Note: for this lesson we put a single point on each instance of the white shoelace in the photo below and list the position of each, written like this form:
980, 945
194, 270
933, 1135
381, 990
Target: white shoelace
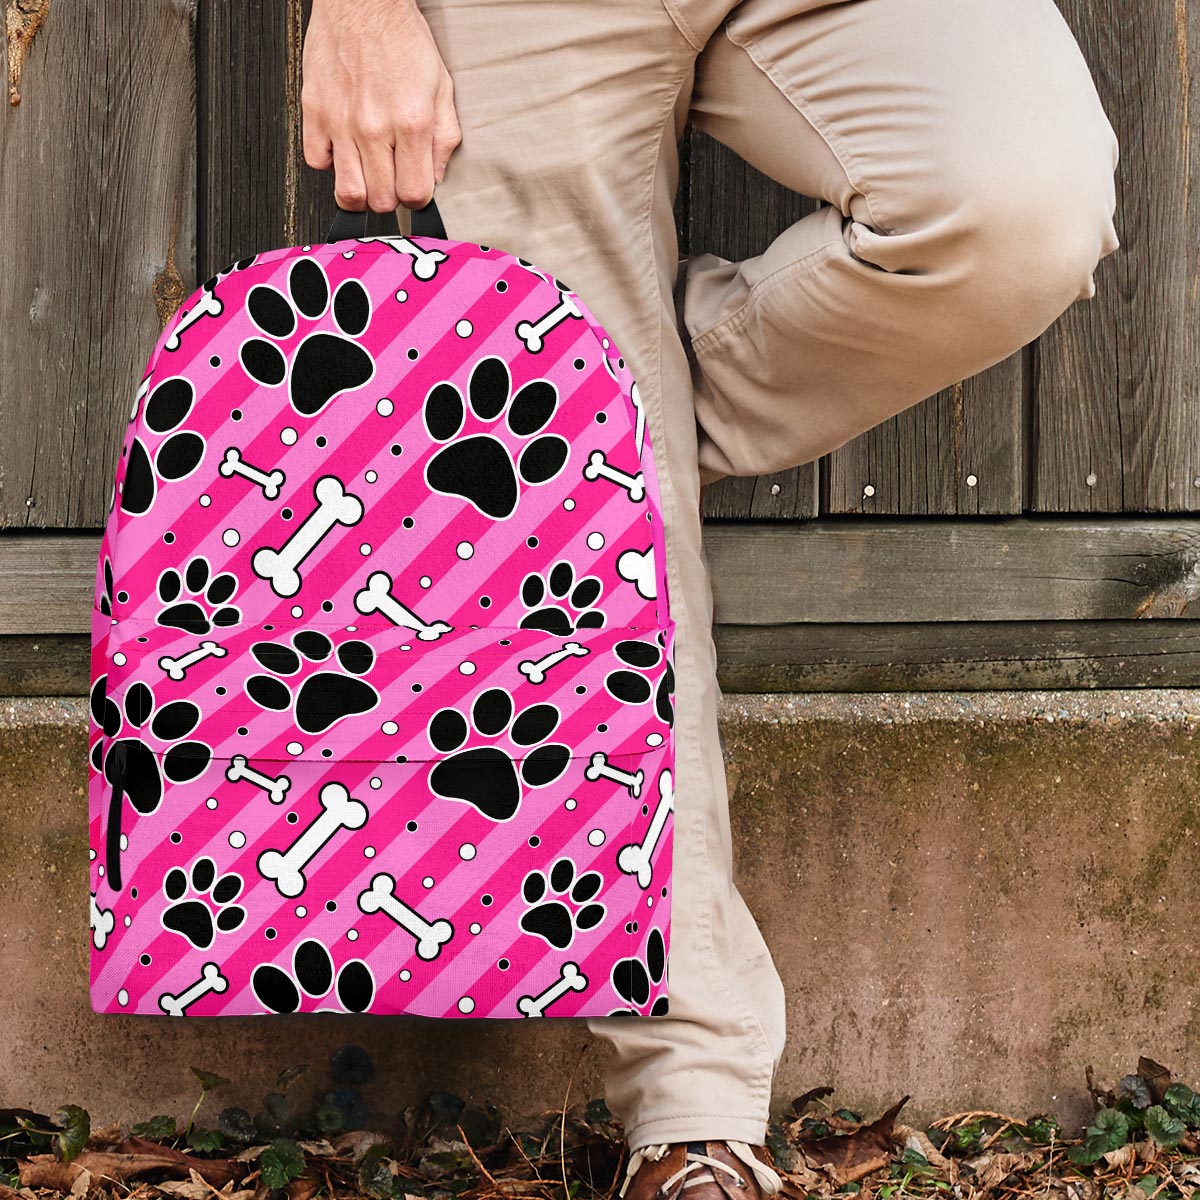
693, 1161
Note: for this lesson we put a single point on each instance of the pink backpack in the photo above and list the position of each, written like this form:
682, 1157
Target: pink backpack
382, 692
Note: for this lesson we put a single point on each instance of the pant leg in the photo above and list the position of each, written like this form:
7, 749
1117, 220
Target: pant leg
570, 115
968, 167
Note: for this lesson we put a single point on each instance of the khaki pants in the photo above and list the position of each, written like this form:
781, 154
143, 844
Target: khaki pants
968, 169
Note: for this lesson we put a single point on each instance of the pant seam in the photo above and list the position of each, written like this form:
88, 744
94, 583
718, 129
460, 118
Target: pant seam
683, 24
748, 1023
806, 110
758, 290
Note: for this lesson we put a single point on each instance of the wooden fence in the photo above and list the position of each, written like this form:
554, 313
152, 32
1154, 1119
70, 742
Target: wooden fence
1014, 530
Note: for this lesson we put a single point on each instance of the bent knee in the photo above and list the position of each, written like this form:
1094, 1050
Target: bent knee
1011, 232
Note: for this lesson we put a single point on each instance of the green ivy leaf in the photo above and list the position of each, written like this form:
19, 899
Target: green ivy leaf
1136, 1089
288, 1074
157, 1129
1180, 1101
375, 1173
209, 1080
236, 1125
206, 1141
280, 1163
330, 1118
75, 1126
1111, 1126
1165, 1129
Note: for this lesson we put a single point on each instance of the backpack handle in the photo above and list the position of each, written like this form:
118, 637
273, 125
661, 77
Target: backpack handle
426, 222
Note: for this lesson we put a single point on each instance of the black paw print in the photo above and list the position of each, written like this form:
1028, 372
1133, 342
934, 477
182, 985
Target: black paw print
325, 697
325, 364
193, 918
559, 605
480, 468
632, 979
105, 599
313, 975
194, 601
167, 407
487, 776
132, 766
630, 686
554, 919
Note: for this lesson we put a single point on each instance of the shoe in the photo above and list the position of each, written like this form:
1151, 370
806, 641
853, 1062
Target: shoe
705, 1170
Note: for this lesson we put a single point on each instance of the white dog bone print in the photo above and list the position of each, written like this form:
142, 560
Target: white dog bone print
572, 979
240, 768
211, 980
177, 668
101, 922
533, 333
634, 859
381, 897
270, 481
377, 597
598, 467
639, 430
335, 506
209, 305
600, 768
425, 262
637, 567
339, 810
536, 670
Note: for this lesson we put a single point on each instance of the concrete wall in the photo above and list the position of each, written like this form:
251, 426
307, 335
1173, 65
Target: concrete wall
970, 896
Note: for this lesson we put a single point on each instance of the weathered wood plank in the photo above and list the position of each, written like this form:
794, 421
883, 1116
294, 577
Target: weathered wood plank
721, 190
46, 583
257, 193
97, 215
1118, 382
1000, 570
958, 453
957, 656
1011, 569
949, 656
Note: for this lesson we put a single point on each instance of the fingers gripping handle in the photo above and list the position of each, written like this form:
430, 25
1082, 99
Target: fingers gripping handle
426, 222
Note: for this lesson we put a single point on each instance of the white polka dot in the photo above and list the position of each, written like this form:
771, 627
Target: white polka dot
569, 504
347, 254
295, 748
91, 856
402, 295
237, 839
385, 407
368, 851
371, 476
231, 537
464, 328
352, 935
205, 501
596, 837
120, 659
365, 549
405, 976
376, 782
128, 922
390, 727
475, 927
464, 550
124, 841
649, 901
100, 870
427, 882
351, 628
288, 436
654, 739
122, 997
467, 668
301, 911
466, 851
570, 803
426, 581
297, 611
211, 802
466, 1005
595, 541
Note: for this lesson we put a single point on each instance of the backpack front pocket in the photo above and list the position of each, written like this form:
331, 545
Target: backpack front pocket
349, 820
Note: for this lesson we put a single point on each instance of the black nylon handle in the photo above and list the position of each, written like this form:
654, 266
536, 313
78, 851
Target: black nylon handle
426, 222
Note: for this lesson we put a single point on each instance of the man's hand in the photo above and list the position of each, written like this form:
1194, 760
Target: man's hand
378, 103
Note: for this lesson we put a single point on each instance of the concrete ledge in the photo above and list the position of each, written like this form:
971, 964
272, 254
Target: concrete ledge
969, 895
